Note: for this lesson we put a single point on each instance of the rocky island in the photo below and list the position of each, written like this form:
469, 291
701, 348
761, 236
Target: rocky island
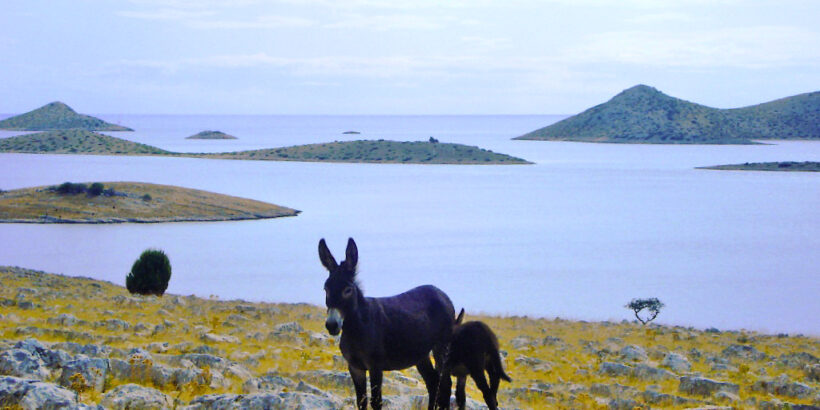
118, 202
71, 341
367, 151
784, 166
211, 135
57, 116
644, 115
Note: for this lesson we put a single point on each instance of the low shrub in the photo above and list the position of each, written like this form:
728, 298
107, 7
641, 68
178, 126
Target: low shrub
150, 273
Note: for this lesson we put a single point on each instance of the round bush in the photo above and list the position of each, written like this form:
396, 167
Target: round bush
150, 273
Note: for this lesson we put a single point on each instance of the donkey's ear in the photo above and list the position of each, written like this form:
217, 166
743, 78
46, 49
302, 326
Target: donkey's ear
351, 254
460, 317
326, 257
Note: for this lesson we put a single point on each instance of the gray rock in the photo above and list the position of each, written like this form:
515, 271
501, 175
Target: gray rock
649, 373
64, 319
745, 352
533, 363
260, 401
216, 338
320, 339
676, 362
662, 399
633, 353
614, 369
623, 404
132, 396
335, 379
34, 394
612, 390
521, 342
201, 360
289, 327
700, 386
268, 383
798, 360
51, 358
22, 363
114, 325
781, 386
90, 372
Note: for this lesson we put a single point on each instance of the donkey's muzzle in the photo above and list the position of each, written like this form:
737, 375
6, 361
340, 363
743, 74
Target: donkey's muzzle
334, 321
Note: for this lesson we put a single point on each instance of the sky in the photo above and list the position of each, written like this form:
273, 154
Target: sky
422, 57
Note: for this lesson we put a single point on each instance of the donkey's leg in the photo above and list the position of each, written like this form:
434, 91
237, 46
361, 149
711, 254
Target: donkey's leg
441, 354
481, 382
461, 396
495, 378
428, 373
375, 389
360, 384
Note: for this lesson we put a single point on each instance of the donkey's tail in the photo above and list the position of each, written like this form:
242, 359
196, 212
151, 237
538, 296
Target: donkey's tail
499, 368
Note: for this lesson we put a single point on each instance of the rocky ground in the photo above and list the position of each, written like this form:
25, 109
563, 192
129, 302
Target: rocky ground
80, 343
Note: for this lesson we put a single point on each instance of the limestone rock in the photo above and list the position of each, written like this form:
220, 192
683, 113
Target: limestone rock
22, 363
89, 372
132, 396
701, 386
34, 394
676, 362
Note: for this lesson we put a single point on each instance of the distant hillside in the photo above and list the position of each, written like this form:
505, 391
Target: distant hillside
211, 135
75, 142
380, 151
57, 116
642, 114
787, 166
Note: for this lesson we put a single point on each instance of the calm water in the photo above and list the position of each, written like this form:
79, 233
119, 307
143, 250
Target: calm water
577, 235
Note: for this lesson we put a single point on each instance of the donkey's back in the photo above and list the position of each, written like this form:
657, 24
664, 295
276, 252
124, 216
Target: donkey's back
412, 324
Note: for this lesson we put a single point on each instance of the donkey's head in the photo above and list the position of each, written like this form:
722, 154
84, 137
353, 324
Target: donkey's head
341, 291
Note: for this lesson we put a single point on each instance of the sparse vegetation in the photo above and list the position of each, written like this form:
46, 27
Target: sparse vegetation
150, 273
211, 135
554, 363
642, 114
128, 202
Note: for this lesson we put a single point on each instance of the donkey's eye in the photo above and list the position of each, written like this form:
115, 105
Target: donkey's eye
347, 292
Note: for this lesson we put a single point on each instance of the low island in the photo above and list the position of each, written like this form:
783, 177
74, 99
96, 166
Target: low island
363, 151
211, 135
57, 116
784, 166
118, 202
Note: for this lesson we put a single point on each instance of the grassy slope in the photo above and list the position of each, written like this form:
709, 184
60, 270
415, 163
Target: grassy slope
57, 116
167, 204
642, 114
807, 166
378, 151
211, 135
571, 362
75, 142
87, 142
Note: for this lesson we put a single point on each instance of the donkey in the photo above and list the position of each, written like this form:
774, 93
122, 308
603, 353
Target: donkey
473, 349
388, 333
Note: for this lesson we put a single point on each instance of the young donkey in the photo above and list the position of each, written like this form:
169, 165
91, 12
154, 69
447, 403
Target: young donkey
389, 333
473, 349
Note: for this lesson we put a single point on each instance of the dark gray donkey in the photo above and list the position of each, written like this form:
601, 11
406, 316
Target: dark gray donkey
473, 349
390, 333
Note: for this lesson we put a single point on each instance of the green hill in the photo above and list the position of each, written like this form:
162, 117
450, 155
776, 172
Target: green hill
57, 116
787, 166
75, 142
211, 135
381, 151
642, 114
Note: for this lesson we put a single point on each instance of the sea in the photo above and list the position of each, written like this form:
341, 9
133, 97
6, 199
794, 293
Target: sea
576, 235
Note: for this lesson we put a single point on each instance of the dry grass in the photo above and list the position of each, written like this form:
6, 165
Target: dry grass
566, 348
166, 204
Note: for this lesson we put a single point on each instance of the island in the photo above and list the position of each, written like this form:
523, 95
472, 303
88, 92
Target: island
119, 202
211, 135
644, 115
351, 132
57, 116
365, 151
377, 151
786, 166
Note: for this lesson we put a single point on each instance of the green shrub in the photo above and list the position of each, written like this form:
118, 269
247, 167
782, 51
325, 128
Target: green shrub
147, 198
95, 189
150, 273
68, 188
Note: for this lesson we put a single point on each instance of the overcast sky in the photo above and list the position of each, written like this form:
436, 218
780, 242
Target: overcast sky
399, 57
